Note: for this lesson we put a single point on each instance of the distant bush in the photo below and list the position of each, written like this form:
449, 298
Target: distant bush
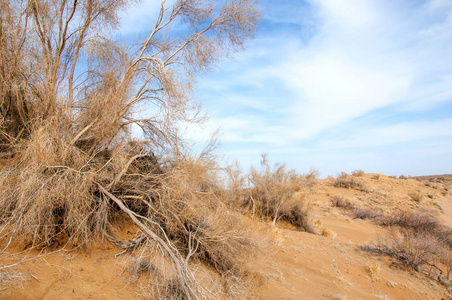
416, 196
275, 194
419, 221
366, 214
403, 177
311, 177
358, 173
337, 201
346, 181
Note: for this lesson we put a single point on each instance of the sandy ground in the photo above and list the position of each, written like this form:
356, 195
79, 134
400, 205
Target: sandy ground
302, 265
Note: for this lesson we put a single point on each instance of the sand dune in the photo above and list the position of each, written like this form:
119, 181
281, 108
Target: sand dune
328, 265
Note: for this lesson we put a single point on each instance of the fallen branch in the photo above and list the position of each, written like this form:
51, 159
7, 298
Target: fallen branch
181, 266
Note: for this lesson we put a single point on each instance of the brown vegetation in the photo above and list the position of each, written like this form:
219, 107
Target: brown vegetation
346, 181
275, 193
68, 100
419, 242
337, 201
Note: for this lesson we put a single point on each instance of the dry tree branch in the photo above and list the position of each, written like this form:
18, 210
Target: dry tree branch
181, 267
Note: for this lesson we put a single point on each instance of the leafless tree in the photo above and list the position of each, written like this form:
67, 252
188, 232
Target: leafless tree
59, 62
69, 96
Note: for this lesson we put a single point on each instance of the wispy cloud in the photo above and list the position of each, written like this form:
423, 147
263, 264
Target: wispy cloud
327, 82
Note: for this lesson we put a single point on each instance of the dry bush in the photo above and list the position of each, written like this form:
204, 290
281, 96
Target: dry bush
310, 178
416, 196
403, 177
366, 214
358, 173
69, 96
344, 180
337, 201
276, 193
376, 177
418, 242
374, 270
420, 252
419, 220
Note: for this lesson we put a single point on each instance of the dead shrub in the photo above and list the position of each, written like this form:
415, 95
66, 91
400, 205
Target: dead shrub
418, 221
275, 193
374, 270
416, 196
366, 214
337, 201
418, 251
376, 177
358, 173
70, 166
310, 178
403, 177
347, 182
418, 242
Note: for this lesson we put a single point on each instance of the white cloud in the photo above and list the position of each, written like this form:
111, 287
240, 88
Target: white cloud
383, 135
331, 64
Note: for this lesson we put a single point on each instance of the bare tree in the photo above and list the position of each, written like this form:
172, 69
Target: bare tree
69, 95
57, 60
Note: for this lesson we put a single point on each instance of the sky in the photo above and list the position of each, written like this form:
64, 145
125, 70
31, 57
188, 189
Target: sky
334, 85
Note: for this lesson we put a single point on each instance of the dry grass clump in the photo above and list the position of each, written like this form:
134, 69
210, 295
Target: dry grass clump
420, 220
416, 196
338, 201
310, 178
366, 214
418, 242
346, 181
358, 173
275, 193
374, 270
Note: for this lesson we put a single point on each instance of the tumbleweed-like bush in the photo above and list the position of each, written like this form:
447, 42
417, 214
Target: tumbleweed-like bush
276, 193
418, 241
69, 99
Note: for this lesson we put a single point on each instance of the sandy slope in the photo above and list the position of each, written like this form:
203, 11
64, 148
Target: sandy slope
302, 265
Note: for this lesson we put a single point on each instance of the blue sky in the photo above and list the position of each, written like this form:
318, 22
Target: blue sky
336, 85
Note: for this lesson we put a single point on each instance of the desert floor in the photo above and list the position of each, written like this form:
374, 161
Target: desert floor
327, 265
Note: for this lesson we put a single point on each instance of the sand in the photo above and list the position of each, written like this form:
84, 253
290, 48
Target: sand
329, 265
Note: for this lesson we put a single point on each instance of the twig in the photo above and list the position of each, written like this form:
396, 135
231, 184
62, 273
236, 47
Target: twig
181, 267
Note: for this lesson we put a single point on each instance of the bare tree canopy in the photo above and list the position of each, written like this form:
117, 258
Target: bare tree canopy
57, 61
69, 167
